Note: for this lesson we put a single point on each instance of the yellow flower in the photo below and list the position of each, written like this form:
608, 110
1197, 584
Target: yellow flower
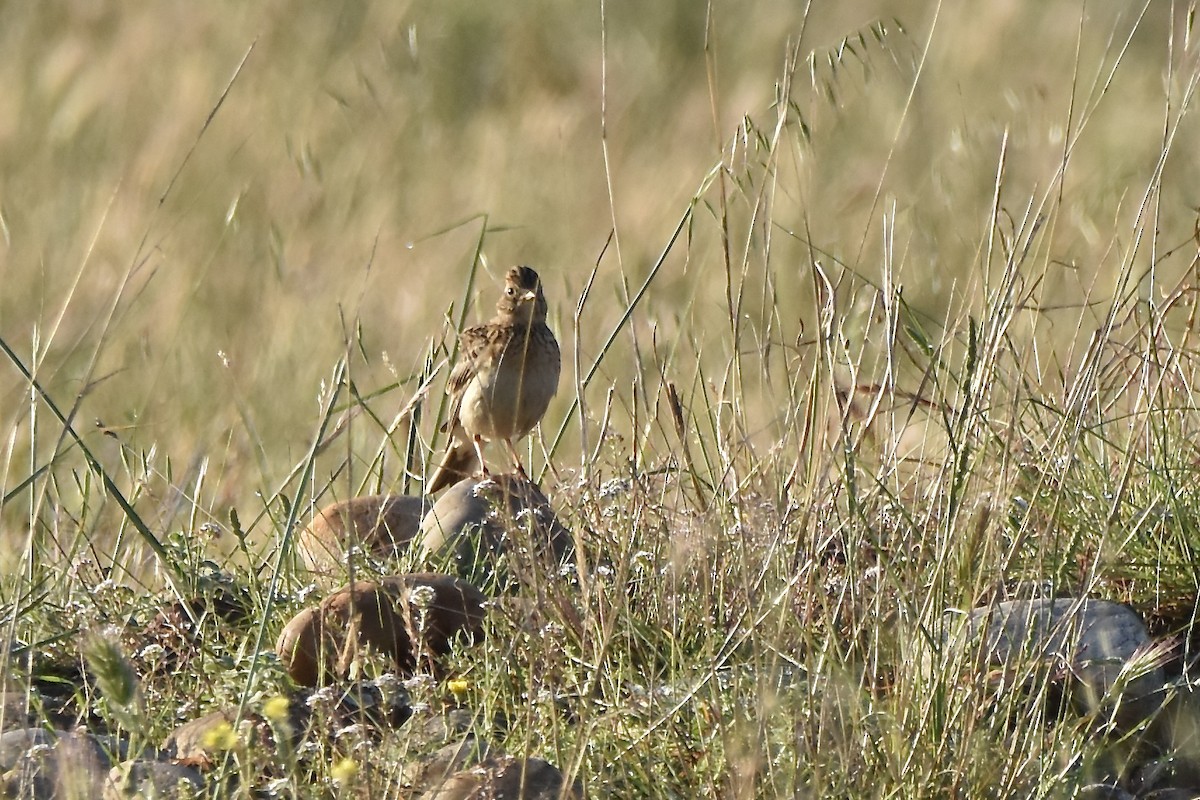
344, 770
222, 737
276, 709
458, 687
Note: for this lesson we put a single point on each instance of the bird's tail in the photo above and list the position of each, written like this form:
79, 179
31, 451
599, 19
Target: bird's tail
459, 462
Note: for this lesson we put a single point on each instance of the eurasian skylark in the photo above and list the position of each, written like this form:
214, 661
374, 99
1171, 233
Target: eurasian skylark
507, 372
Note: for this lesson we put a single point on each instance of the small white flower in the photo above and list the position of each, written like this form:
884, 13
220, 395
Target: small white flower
422, 596
418, 682
387, 682
357, 729
483, 487
325, 696
276, 787
309, 749
614, 487
151, 652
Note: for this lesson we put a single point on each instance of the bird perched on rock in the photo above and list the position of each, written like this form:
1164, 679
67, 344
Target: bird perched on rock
507, 372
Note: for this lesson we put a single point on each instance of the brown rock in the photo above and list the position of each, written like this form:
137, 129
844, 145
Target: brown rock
507, 777
436, 768
388, 617
186, 742
382, 525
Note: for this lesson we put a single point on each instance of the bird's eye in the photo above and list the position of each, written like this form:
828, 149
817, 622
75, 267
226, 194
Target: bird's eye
510, 291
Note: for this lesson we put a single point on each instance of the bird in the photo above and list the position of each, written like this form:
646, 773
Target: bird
506, 375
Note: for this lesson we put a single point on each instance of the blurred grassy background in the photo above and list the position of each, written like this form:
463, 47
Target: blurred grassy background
198, 300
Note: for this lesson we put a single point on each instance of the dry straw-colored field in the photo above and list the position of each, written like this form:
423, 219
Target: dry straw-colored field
922, 276
197, 282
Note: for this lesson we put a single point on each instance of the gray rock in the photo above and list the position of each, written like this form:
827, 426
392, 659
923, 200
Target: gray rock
15, 711
37, 763
442, 727
1172, 794
1103, 791
1085, 642
152, 779
1176, 732
493, 530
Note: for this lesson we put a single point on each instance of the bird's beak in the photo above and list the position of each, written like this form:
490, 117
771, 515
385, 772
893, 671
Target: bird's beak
529, 296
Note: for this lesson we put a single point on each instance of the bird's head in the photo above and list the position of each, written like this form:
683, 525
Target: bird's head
522, 299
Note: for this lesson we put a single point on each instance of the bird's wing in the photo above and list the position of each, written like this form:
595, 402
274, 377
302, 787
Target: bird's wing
471, 343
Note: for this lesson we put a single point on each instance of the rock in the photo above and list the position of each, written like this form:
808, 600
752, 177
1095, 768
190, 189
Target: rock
15, 711
35, 762
299, 646
1175, 732
1169, 794
357, 703
191, 744
187, 742
1103, 791
377, 703
382, 525
433, 770
158, 779
1086, 642
320, 644
443, 726
507, 777
486, 528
